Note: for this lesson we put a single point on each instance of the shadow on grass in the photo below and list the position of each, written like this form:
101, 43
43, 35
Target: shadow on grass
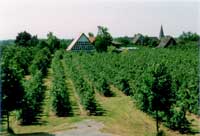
34, 134
99, 111
37, 122
111, 94
187, 129
70, 114
12, 133
190, 131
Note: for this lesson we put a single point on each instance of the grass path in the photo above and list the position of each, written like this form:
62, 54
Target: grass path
75, 100
47, 83
124, 119
76, 104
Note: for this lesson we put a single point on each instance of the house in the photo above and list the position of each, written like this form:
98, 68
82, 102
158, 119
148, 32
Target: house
138, 39
166, 42
116, 44
81, 43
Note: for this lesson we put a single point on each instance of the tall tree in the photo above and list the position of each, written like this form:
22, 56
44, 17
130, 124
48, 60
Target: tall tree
34, 40
53, 42
26, 39
162, 94
33, 98
103, 39
91, 34
23, 39
12, 91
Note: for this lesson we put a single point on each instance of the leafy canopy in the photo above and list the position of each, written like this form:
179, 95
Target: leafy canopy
26, 39
103, 39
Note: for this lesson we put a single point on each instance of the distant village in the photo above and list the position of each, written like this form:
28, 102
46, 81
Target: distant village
88, 42
84, 43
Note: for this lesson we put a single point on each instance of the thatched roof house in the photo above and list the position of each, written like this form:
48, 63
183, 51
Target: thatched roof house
81, 43
138, 39
166, 42
116, 44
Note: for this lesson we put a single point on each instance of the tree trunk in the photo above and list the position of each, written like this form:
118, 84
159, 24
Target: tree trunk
157, 125
8, 125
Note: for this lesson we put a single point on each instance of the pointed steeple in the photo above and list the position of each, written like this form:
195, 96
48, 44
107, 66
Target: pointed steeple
161, 32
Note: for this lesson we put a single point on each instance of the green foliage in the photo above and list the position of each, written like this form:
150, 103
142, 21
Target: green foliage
14, 64
158, 79
65, 43
34, 41
165, 80
33, 98
150, 41
41, 61
42, 44
161, 96
178, 120
17, 58
126, 87
34, 89
60, 96
87, 96
26, 97
188, 36
111, 49
82, 85
25, 39
53, 42
147, 41
161, 133
12, 89
103, 39
105, 89
124, 40
91, 34
162, 93
153, 42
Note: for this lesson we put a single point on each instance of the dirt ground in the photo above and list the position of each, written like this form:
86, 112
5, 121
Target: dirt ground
85, 128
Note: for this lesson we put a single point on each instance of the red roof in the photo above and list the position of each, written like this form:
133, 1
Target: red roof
92, 39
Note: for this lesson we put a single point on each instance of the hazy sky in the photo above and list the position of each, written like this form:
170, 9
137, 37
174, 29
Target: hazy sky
67, 18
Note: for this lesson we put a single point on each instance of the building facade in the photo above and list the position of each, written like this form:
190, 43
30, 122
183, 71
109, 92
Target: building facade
81, 43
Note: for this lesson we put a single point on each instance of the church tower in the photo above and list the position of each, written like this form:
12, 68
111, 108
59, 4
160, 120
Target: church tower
161, 33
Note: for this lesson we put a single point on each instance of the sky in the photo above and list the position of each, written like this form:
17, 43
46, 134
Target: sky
68, 18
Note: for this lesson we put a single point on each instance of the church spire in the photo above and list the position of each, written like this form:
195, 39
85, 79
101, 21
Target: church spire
161, 32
